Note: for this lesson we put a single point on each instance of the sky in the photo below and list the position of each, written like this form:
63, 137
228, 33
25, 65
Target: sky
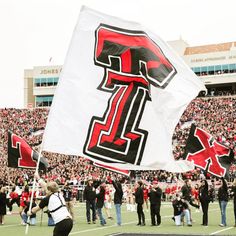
33, 31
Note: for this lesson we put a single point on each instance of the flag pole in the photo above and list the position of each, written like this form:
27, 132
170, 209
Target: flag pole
33, 189
41, 218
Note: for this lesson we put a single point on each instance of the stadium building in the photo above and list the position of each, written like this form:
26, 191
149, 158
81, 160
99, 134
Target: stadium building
215, 64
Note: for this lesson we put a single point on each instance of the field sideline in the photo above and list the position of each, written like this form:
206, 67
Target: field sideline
12, 225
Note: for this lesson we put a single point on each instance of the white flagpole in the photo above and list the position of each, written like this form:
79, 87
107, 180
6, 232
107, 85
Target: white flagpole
33, 189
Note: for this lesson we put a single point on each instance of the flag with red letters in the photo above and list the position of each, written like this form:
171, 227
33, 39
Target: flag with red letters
120, 95
207, 153
21, 155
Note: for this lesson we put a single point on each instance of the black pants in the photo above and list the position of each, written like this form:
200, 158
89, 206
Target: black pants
205, 205
155, 214
12, 201
90, 205
141, 216
193, 204
63, 227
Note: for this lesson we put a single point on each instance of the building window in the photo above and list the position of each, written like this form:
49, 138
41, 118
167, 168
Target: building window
214, 70
43, 101
232, 68
196, 70
46, 82
218, 69
225, 69
204, 70
55, 81
211, 70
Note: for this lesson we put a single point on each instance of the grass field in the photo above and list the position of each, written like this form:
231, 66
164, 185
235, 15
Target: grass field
12, 225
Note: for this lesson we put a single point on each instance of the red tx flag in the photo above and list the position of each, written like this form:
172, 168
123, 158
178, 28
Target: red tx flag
207, 153
21, 155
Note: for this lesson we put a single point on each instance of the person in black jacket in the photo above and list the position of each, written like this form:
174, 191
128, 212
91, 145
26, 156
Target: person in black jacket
186, 193
118, 195
204, 199
223, 200
90, 196
139, 200
100, 195
155, 203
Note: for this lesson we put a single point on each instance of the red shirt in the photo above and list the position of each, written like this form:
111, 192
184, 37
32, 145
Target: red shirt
145, 193
14, 195
25, 197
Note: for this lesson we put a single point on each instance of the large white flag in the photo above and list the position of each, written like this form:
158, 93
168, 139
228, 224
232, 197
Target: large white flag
120, 95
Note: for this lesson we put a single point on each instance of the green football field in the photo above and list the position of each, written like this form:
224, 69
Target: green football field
12, 225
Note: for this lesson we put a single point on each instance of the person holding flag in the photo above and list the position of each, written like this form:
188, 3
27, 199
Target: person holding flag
204, 199
100, 196
223, 198
56, 205
118, 195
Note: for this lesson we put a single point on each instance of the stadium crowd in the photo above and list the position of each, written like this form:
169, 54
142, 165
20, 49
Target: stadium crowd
216, 115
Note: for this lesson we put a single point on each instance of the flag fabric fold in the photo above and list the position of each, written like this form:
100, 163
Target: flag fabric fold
120, 95
207, 153
112, 168
21, 155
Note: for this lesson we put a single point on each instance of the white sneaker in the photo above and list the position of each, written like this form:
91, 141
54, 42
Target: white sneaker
9, 213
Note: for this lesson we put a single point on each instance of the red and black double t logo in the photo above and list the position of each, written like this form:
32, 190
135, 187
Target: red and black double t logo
132, 62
